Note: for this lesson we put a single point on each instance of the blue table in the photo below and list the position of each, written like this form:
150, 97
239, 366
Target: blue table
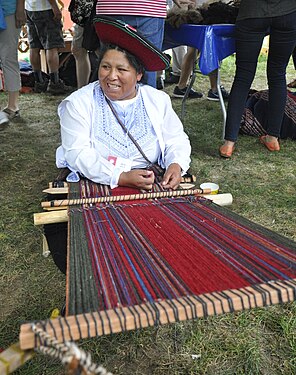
214, 43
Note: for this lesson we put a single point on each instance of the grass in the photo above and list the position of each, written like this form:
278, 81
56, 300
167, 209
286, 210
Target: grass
261, 341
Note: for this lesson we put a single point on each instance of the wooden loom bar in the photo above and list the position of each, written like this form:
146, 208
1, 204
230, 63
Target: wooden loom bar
116, 198
60, 216
130, 318
13, 357
51, 217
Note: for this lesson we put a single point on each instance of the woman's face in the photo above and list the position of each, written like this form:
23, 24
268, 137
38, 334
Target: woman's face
117, 76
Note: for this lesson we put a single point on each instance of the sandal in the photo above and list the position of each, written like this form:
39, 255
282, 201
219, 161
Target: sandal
226, 151
270, 144
11, 114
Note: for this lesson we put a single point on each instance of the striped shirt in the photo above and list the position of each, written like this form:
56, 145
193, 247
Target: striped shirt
146, 8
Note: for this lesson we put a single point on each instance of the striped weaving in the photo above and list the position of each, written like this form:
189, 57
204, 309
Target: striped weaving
137, 252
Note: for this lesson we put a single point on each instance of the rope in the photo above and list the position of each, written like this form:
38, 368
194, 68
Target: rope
68, 353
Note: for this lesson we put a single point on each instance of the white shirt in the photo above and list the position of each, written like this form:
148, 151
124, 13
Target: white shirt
86, 148
37, 5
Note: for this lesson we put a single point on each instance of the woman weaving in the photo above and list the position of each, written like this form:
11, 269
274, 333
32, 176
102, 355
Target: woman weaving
101, 122
94, 143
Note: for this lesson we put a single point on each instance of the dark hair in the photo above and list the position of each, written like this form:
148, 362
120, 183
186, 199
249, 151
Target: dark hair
131, 58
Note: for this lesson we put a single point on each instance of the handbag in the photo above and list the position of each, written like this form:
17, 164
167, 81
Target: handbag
157, 169
2, 18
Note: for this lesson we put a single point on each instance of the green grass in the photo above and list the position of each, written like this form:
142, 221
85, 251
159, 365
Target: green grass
261, 341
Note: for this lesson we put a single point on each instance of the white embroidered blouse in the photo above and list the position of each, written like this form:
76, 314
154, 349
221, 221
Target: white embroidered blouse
92, 137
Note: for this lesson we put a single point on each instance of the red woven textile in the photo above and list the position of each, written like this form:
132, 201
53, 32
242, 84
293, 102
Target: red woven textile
163, 249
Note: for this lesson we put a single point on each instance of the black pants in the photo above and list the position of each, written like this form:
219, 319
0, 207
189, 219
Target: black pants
249, 38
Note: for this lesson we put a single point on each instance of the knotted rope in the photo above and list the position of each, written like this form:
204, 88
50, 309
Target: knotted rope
76, 359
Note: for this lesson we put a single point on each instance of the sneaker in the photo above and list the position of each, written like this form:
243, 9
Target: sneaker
178, 93
11, 114
4, 120
214, 96
58, 88
40, 86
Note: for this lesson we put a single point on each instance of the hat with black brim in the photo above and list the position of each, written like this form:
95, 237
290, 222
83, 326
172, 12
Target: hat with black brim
116, 32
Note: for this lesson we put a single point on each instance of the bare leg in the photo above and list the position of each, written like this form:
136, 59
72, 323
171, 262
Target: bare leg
13, 99
186, 68
35, 58
52, 58
213, 76
83, 67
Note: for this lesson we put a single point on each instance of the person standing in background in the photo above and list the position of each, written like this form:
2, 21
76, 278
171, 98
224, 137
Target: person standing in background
184, 65
45, 32
83, 66
255, 20
15, 17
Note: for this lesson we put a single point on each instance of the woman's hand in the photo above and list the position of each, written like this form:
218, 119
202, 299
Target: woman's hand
172, 177
139, 178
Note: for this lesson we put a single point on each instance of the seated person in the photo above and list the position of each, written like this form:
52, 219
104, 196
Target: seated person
94, 144
254, 121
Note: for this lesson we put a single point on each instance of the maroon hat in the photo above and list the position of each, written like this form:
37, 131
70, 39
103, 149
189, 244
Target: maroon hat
126, 37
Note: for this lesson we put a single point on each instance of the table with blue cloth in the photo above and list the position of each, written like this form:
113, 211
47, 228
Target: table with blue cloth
214, 43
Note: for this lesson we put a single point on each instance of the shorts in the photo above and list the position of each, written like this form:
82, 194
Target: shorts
44, 32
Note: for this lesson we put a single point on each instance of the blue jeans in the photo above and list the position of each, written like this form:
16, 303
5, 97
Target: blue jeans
151, 28
249, 38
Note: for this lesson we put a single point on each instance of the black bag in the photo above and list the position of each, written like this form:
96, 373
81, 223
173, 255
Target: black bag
80, 10
90, 40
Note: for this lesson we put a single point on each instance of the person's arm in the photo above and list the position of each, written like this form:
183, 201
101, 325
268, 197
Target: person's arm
82, 157
20, 15
79, 151
56, 10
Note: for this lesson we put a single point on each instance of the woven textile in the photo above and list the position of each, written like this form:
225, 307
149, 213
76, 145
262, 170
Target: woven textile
135, 252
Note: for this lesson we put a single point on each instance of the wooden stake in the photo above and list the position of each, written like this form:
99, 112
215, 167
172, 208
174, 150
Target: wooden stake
51, 217
13, 357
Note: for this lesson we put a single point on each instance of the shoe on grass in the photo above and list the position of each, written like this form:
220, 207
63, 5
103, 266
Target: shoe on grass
4, 120
180, 93
226, 151
214, 96
270, 143
40, 86
11, 114
58, 88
